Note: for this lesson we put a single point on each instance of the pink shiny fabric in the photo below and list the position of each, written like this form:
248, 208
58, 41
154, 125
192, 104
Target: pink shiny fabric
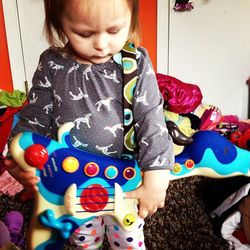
180, 97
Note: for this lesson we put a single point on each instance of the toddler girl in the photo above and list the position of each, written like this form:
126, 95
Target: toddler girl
80, 79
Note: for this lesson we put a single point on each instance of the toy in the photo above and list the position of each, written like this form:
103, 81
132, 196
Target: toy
178, 137
14, 221
211, 155
75, 186
10, 229
70, 177
242, 140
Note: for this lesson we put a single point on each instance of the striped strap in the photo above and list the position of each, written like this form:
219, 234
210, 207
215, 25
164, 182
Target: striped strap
130, 77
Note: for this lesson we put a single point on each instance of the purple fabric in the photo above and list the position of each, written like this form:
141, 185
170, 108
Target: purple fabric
14, 221
180, 97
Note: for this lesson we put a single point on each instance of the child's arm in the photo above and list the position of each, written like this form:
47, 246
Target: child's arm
154, 145
151, 194
34, 117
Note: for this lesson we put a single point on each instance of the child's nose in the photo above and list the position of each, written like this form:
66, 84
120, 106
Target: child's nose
101, 42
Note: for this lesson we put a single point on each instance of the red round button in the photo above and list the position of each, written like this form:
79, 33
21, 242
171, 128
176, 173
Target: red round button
189, 164
36, 156
129, 173
91, 169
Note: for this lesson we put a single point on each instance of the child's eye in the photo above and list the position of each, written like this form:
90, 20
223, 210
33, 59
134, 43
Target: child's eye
113, 31
86, 35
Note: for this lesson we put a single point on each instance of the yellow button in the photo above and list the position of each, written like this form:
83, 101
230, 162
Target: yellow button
177, 168
70, 164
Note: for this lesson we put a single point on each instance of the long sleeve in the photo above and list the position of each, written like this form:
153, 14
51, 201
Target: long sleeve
36, 116
154, 141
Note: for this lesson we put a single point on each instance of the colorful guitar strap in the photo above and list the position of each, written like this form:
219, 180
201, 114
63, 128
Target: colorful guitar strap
130, 78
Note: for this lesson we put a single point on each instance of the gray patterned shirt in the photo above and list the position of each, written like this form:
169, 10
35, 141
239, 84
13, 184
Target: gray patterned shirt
91, 96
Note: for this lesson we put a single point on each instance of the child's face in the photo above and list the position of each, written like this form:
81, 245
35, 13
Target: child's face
96, 29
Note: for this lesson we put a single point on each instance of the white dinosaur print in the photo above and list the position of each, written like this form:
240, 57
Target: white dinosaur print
58, 124
137, 125
75, 67
111, 76
163, 129
77, 143
150, 70
104, 102
142, 99
47, 108
104, 150
40, 66
158, 163
55, 66
57, 98
86, 71
33, 99
79, 96
144, 141
47, 83
114, 128
35, 122
84, 119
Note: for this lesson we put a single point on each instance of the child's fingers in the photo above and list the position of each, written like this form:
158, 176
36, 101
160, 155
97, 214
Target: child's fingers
26, 178
161, 204
132, 194
31, 188
9, 163
143, 213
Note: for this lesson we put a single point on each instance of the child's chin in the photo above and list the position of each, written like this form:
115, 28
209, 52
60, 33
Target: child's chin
99, 60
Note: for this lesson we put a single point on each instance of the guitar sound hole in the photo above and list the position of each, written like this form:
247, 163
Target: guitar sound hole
94, 198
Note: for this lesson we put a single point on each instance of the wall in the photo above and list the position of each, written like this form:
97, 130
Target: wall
5, 73
210, 46
148, 21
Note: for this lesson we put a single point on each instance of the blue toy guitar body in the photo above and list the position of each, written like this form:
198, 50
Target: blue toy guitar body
211, 155
76, 185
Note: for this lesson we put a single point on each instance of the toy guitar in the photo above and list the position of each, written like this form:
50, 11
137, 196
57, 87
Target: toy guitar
211, 155
76, 185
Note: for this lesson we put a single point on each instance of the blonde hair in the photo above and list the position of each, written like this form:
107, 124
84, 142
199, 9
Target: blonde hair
53, 27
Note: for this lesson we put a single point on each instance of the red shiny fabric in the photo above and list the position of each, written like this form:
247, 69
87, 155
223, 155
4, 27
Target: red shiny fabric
180, 97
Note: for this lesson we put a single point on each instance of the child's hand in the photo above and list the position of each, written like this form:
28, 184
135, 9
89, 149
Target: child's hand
151, 194
26, 178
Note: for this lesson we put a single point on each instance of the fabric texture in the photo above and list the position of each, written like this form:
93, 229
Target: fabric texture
8, 185
179, 97
12, 99
91, 235
231, 224
130, 77
91, 97
183, 5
